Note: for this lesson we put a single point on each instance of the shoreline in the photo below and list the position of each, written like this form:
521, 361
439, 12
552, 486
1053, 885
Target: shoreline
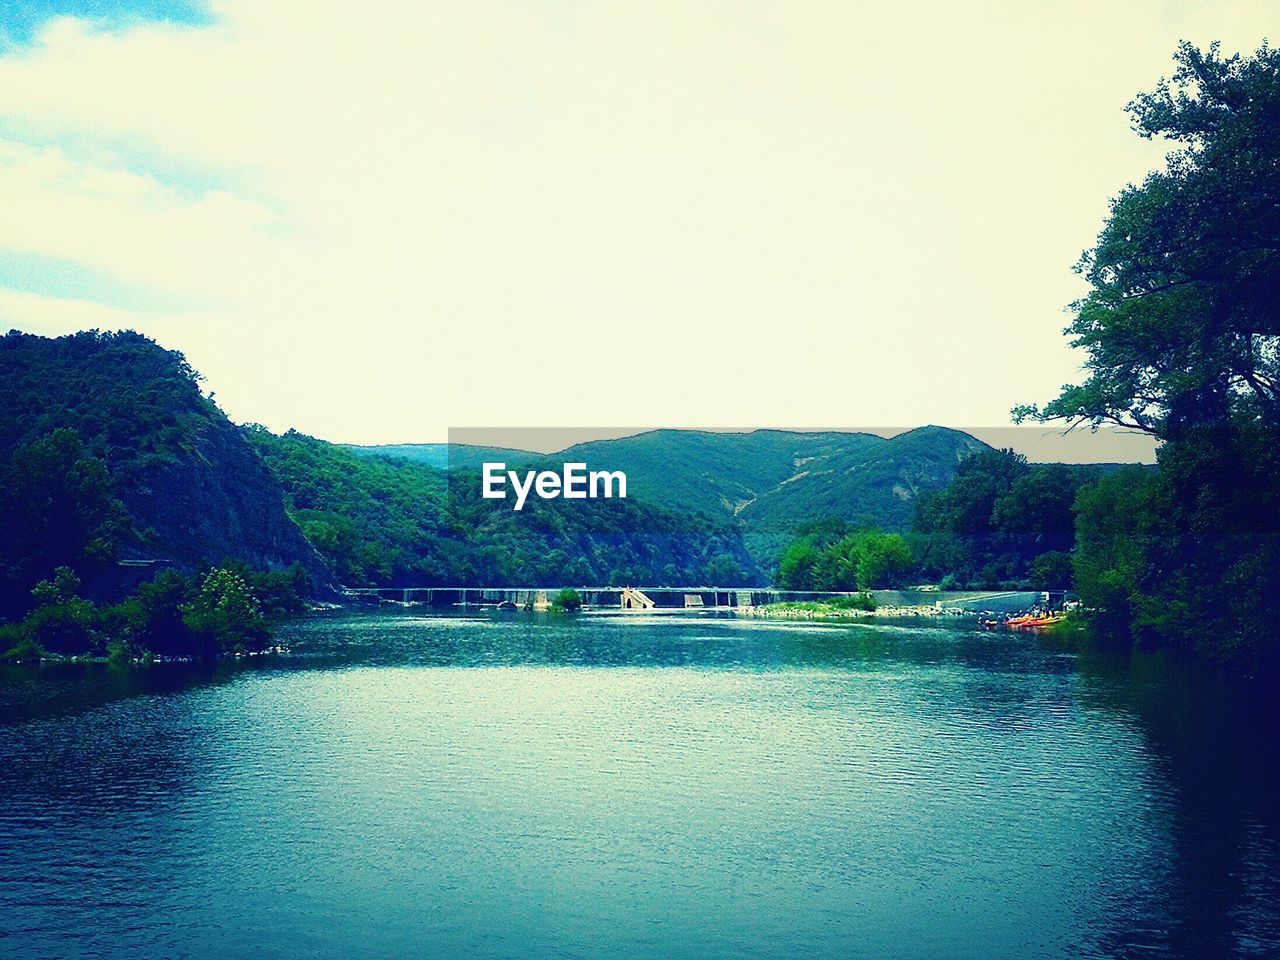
778, 611
791, 611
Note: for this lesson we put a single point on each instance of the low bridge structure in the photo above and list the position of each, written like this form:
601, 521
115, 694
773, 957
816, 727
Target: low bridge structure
719, 598
660, 597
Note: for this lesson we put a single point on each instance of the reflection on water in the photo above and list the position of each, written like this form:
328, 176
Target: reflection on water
530, 786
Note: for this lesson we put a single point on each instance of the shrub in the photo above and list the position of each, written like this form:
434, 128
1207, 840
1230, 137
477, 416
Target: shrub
567, 600
225, 617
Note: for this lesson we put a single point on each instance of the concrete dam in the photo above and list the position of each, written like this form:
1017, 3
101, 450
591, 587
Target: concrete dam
707, 598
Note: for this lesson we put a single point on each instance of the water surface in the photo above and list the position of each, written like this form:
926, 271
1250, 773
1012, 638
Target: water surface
524, 786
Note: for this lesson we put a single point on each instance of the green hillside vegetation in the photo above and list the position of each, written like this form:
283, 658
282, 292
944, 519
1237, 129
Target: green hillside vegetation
773, 480
769, 482
132, 402
109, 452
877, 483
374, 521
1001, 523
381, 521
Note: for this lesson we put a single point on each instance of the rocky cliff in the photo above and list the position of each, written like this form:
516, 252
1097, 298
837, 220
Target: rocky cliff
181, 487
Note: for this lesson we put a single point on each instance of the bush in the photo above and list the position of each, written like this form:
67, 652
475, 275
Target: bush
173, 615
61, 623
567, 600
225, 617
860, 560
25, 650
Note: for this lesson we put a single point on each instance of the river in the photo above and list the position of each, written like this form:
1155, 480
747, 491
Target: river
527, 786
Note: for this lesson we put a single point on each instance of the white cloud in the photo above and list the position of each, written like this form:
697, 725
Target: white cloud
421, 215
54, 316
130, 226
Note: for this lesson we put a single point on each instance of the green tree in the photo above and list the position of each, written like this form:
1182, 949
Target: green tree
884, 560
1180, 326
796, 566
63, 587
62, 622
58, 510
568, 600
1114, 522
1181, 332
225, 617
154, 616
862, 560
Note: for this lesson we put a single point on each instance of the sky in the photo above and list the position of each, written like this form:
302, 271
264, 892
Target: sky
378, 225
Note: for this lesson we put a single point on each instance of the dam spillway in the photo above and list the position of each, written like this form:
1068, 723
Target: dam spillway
669, 598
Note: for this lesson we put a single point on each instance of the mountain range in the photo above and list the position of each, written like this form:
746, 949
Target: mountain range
765, 480
117, 464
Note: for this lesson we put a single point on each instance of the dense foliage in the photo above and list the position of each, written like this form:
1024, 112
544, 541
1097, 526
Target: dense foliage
109, 452
1001, 523
1181, 328
225, 610
129, 400
375, 522
391, 522
59, 510
79, 416
829, 556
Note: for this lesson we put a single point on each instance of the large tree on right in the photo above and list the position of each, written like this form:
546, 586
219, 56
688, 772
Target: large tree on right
1181, 334
1181, 326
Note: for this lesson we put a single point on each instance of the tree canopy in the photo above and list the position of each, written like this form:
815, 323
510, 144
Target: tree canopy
1181, 330
1181, 325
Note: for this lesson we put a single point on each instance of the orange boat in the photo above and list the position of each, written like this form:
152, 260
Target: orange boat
1031, 623
1048, 621
1025, 622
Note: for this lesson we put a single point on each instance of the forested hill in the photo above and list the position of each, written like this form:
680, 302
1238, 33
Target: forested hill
391, 521
110, 456
775, 479
109, 452
766, 479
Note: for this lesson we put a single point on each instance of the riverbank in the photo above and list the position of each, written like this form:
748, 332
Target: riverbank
817, 610
119, 656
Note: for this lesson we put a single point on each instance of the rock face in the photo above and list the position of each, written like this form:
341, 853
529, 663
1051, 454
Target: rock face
216, 502
195, 491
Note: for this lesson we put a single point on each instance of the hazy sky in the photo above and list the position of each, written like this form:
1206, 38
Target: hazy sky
374, 223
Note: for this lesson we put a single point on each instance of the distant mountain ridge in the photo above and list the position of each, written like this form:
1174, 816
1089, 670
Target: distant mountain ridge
443, 456
766, 479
